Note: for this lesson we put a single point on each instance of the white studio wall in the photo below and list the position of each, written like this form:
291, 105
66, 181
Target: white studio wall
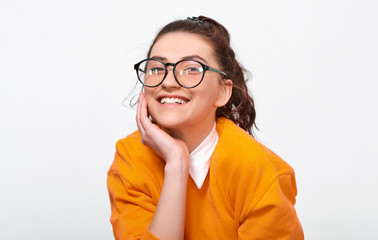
65, 68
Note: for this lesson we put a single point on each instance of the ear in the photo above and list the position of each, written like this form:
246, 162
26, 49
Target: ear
225, 93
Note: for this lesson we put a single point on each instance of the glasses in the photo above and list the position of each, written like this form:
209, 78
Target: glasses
188, 73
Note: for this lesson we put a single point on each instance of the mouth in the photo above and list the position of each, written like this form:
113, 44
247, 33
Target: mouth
172, 100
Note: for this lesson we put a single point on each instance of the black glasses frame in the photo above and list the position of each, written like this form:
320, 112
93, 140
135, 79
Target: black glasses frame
205, 68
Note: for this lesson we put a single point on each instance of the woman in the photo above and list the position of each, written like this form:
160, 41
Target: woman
192, 171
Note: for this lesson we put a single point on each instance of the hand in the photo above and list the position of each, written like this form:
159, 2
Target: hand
169, 148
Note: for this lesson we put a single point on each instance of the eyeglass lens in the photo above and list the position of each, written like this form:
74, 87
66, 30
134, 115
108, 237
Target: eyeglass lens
188, 73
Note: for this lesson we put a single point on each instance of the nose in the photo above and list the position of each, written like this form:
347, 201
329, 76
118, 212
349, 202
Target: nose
170, 81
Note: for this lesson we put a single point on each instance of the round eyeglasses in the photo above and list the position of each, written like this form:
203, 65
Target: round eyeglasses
188, 73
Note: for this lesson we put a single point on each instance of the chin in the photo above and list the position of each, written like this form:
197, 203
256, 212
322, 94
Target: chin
168, 122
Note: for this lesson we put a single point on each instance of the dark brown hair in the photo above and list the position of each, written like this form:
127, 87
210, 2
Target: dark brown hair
240, 108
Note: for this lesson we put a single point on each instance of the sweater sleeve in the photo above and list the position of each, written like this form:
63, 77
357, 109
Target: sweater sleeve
131, 209
273, 216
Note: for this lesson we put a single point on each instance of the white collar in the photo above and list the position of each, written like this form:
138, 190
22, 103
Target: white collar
199, 158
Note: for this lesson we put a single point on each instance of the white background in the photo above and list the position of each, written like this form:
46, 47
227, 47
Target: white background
65, 67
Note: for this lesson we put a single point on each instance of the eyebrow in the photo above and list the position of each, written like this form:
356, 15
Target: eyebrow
195, 57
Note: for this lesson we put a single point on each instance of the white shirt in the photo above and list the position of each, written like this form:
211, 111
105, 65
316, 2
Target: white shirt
199, 158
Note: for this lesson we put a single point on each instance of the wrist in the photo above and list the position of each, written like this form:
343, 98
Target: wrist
178, 168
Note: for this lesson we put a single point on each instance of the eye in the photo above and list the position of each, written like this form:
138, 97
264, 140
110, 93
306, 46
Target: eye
194, 69
156, 71
154, 68
190, 68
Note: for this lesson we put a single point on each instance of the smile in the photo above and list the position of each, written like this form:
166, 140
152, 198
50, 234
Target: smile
166, 100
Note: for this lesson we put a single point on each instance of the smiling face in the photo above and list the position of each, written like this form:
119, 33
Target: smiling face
178, 108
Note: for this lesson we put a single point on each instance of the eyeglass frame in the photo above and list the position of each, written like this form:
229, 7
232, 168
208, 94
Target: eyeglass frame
204, 67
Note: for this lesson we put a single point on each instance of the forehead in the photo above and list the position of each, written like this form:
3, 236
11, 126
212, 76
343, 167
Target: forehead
175, 46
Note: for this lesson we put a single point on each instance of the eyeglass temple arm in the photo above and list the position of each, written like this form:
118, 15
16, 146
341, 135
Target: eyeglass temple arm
216, 70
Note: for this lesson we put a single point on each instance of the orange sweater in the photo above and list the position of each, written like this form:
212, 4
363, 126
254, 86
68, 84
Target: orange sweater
249, 192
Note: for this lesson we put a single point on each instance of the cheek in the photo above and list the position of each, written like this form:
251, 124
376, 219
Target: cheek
207, 100
151, 102
148, 94
210, 92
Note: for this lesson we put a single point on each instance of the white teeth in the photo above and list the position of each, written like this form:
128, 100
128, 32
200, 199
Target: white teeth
172, 101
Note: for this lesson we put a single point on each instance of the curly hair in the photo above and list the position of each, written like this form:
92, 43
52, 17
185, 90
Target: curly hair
240, 108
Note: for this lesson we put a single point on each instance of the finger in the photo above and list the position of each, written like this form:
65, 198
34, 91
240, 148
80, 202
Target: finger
143, 109
144, 119
139, 116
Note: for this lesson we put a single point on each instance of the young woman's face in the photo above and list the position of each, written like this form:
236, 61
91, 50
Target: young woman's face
198, 104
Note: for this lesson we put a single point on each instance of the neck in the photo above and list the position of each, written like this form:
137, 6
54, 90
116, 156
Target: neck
193, 135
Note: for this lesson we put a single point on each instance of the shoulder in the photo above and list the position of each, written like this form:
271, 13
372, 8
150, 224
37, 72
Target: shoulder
245, 169
133, 161
237, 150
130, 146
